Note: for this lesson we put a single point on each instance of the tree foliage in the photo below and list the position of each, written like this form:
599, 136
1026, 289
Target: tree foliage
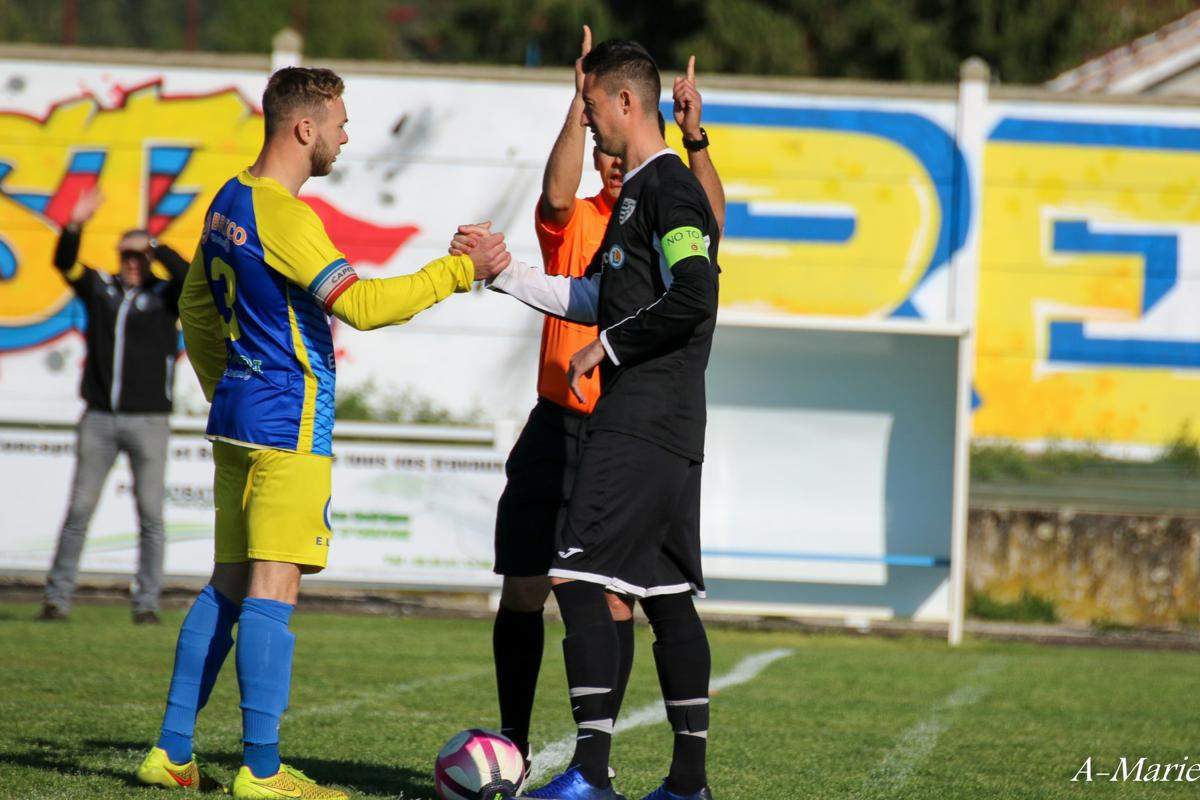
1025, 41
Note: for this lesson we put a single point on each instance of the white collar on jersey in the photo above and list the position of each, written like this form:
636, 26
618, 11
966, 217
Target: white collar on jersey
638, 168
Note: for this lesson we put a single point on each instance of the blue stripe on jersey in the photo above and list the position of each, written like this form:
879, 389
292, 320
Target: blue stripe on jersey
260, 398
318, 341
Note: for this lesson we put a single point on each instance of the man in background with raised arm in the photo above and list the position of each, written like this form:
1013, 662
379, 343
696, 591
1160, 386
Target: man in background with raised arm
128, 382
541, 467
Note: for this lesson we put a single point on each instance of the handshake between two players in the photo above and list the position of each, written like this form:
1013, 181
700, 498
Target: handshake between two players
255, 310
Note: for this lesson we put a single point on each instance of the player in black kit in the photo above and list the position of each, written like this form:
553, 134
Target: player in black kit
632, 527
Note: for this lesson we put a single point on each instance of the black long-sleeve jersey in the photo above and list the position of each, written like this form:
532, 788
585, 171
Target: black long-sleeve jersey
657, 307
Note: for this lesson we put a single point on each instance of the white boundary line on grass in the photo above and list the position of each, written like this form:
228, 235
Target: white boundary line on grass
917, 743
557, 753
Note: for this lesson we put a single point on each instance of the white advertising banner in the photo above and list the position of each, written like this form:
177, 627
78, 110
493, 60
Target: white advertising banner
415, 514
401, 514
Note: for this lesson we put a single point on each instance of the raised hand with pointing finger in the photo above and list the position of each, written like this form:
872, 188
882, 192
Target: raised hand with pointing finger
695, 139
687, 102
584, 49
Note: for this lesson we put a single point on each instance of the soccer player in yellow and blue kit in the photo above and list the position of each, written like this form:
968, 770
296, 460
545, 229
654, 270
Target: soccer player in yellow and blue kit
254, 311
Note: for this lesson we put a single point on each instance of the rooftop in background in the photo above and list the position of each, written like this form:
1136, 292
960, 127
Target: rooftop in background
1165, 62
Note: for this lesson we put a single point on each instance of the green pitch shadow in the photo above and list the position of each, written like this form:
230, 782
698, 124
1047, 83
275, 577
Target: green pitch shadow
81, 759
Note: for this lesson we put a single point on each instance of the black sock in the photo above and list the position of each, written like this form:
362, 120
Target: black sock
590, 650
684, 664
624, 665
517, 640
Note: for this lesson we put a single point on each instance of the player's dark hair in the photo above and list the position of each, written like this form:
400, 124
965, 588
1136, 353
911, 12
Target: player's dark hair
293, 89
618, 63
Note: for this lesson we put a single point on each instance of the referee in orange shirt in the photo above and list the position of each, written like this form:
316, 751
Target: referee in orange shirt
541, 466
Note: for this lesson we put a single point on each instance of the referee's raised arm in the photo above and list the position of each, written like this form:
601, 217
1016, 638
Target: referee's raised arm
564, 167
688, 110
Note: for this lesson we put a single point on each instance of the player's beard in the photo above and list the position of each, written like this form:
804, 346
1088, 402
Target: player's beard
605, 144
321, 158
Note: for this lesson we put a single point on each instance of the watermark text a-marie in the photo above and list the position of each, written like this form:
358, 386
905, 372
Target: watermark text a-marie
1140, 771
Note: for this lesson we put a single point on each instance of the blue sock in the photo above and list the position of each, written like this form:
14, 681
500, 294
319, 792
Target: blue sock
204, 641
264, 668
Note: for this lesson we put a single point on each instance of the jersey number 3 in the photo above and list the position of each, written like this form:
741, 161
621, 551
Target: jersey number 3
221, 271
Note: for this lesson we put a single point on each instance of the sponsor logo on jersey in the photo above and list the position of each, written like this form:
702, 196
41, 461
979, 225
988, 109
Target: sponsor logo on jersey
615, 257
252, 364
628, 204
222, 225
233, 369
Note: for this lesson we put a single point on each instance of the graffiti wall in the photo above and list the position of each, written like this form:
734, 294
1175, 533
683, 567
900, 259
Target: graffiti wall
1089, 312
1086, 218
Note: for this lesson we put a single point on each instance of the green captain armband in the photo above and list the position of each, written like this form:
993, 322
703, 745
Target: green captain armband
682, 243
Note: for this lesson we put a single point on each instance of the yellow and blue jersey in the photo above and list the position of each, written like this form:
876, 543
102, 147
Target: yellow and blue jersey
273, 275
254, 309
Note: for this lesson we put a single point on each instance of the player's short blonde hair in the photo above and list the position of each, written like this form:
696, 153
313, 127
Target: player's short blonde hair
298, 89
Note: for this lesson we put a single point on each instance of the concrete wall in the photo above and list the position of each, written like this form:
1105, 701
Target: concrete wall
1130, 569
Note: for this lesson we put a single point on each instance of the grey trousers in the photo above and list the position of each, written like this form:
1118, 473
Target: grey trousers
101, 437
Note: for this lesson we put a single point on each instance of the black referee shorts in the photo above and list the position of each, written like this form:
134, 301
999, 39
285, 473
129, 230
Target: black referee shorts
633, 520
540, 470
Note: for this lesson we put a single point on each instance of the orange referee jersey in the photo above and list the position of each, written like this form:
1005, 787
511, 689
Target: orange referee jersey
567, 250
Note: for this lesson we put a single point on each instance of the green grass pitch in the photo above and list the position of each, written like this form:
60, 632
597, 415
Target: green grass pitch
374, 698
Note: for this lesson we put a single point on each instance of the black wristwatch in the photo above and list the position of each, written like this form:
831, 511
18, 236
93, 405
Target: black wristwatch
699, 144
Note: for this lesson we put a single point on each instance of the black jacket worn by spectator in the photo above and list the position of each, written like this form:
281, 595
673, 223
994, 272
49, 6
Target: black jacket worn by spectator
132, 339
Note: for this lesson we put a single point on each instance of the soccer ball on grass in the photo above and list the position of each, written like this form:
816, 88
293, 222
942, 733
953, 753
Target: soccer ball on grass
478, 765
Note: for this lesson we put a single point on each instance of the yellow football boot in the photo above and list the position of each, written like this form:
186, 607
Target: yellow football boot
158, 770
288, 782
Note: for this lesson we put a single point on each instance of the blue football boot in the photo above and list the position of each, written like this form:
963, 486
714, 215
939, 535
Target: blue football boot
571, 785
661, 793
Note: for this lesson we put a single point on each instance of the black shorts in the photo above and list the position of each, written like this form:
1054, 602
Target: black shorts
541, 470
633, 521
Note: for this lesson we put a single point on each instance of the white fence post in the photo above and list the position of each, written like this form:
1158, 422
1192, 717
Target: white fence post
287, 49
970, 133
